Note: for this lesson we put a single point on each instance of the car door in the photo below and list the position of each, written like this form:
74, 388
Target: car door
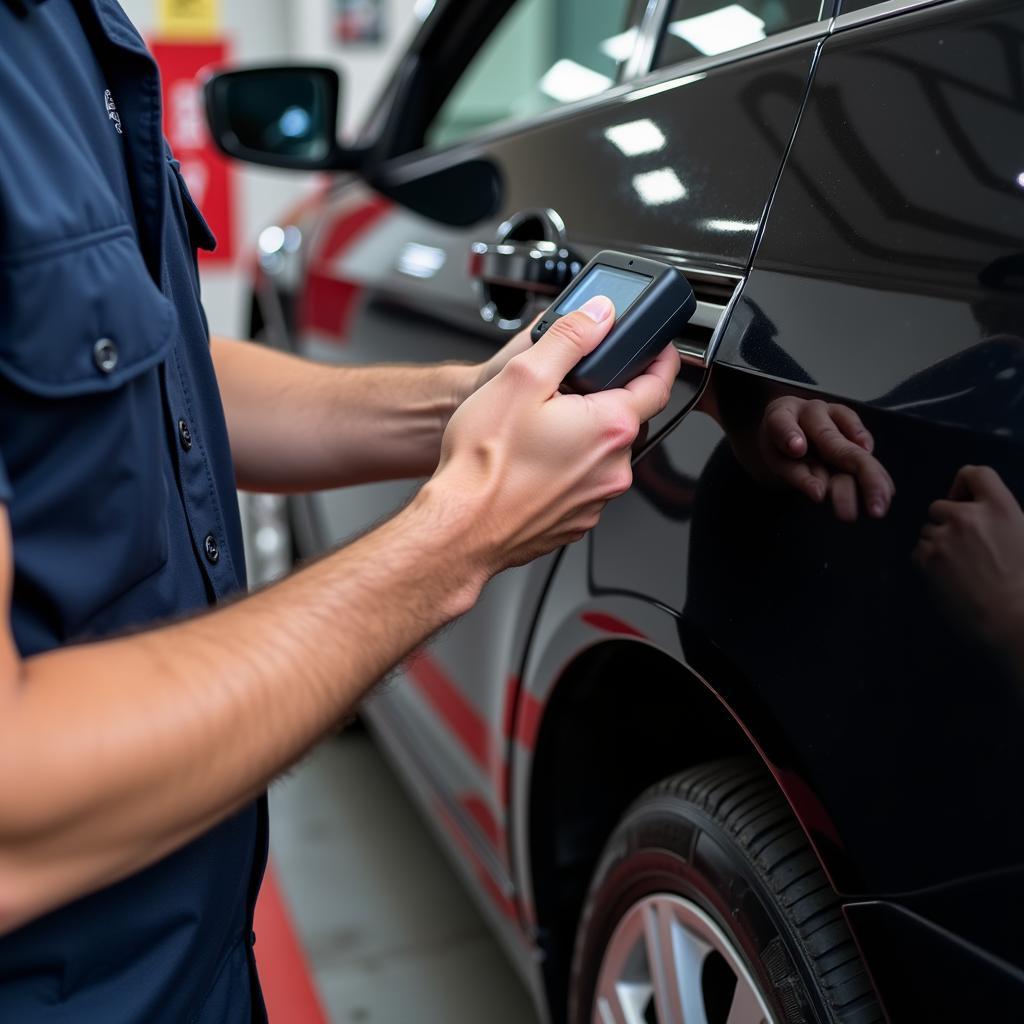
602, 133
881, 686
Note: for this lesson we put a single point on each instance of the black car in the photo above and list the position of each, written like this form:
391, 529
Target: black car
739, 756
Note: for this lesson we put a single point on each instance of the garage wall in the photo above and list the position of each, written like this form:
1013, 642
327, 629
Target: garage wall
363, 67
280, 31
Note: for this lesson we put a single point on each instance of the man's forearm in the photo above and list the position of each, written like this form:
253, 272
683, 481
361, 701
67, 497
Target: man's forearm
153, 738
297, 425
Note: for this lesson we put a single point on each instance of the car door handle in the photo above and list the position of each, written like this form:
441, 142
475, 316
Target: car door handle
541, 267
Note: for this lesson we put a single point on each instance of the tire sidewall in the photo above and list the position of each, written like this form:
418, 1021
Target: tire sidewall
669, 846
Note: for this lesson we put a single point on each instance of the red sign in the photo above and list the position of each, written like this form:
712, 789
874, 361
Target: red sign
207, 173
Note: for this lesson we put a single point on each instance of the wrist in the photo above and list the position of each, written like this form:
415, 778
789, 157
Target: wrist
457, 382
455, 553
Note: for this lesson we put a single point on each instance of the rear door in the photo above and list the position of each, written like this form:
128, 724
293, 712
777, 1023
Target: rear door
653, 127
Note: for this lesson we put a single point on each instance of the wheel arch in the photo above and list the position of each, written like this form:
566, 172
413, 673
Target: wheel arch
613, 705
580, 785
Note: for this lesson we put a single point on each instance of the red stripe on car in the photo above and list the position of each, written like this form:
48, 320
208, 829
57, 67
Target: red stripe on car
327, 305
505, 904
447, 700
327, 300
477, 809
512, 685
610, 624
349, 226
531, 711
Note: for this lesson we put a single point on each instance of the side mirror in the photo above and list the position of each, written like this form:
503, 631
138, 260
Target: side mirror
279, 116
288, 117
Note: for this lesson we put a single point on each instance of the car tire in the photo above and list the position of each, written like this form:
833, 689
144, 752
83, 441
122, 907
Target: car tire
712, 865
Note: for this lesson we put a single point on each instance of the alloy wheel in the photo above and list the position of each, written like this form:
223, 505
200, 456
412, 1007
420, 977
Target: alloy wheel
668, 963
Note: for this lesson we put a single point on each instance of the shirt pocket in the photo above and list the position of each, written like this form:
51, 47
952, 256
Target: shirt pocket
81, 317
83, 333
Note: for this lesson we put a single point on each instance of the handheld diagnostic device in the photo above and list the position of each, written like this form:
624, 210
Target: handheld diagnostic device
652, 303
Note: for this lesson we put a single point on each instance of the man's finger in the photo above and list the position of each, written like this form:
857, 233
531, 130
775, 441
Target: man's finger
652, 390
834, 447
875, 483
822, 475
567, 341
843, 489
783, 430
972, 482
877, 486
964, 483
923, 552
803, 477
850, 424
520, 343
944, 510
839, 452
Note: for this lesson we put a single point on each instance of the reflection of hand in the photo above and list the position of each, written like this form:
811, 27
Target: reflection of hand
822, 449
972, 550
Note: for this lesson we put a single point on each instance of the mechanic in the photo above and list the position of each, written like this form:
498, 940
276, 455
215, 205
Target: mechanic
140, 728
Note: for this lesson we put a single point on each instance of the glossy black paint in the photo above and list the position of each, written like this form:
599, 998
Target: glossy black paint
902, 204
928, 985
667, 199
889, 280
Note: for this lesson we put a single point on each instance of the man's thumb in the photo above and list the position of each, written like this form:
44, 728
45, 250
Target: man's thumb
570, 339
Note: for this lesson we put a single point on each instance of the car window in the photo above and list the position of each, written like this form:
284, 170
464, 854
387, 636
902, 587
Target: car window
543, 53
704, 28
848, 6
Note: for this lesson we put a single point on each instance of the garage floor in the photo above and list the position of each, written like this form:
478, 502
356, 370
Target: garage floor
383, 926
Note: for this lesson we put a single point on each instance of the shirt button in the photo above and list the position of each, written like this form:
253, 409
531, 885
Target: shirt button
211, 549
184, 435
104, 354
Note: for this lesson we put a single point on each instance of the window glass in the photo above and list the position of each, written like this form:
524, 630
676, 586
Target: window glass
704, 28
543, 53
856, 5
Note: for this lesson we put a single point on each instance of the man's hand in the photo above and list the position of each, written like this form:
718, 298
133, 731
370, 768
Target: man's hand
824, 450
535, 466
972, 551
480, 374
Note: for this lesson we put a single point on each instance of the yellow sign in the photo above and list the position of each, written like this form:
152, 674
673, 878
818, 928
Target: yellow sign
188, 19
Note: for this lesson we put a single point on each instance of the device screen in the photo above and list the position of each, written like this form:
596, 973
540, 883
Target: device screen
621, 286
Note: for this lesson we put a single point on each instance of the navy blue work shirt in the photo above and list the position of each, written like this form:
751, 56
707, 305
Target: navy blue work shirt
117, 476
